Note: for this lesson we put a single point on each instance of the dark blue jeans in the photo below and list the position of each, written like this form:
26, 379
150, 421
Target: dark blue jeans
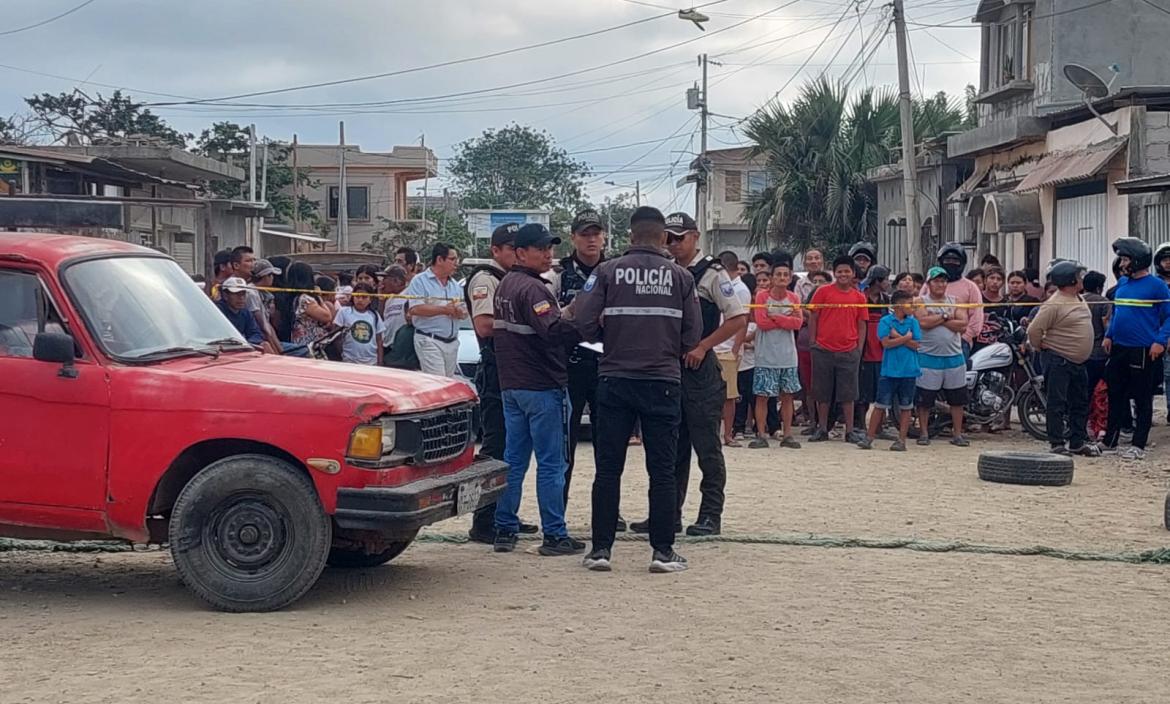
535, 423
657, 406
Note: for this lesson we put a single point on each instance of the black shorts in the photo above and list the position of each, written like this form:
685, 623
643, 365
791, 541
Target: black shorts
953, 397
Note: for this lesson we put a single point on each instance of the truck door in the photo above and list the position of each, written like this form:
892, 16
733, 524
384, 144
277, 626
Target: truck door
54, 426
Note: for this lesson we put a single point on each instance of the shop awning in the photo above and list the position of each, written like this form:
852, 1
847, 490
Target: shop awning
1144, 184
1057, 168
1006, 212
975, 180
301, 236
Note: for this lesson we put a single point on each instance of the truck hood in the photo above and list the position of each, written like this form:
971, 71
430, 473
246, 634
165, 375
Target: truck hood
369, 391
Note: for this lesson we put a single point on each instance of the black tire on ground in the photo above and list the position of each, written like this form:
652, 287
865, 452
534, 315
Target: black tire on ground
1032, 414
346, 558
248, 533
1028, 468
1166, 513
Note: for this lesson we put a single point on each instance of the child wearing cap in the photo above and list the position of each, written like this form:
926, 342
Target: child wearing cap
778, 318
899, 333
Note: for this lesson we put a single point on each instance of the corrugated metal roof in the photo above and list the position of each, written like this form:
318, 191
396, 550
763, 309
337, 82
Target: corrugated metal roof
1059, 168
1144, 184
973, 181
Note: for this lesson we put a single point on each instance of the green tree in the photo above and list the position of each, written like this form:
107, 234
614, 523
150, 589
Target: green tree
615, 213
98, 118
519, 167
230, 142
441, 227
818, 150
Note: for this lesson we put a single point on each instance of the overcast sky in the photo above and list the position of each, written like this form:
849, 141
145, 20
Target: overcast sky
217, 48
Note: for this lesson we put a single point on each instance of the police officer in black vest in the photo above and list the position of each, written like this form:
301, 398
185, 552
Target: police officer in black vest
479, 293
703, 388
588, 237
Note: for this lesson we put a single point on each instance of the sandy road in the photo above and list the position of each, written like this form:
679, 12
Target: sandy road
747, 623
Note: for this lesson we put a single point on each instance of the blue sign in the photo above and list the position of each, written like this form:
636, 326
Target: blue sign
497, 219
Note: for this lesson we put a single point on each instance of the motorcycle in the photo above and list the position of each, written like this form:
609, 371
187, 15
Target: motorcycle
992, 389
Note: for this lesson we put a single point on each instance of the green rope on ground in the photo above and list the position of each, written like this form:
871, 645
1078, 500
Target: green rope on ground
1154, 556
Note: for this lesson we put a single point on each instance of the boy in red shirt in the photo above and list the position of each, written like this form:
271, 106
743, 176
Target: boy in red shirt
837, 329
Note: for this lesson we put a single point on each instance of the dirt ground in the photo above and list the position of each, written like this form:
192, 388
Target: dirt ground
747, 623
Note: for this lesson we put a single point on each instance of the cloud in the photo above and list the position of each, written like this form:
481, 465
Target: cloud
221, 47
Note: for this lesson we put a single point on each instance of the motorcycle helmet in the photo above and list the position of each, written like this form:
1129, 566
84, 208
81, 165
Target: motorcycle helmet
1065, 273
1162, 252
1139, 253
954, 272
869, 249
877, 273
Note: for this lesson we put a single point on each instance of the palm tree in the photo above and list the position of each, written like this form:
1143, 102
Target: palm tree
818, 150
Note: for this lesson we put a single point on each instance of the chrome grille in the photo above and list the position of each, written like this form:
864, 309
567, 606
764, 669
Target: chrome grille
445, 434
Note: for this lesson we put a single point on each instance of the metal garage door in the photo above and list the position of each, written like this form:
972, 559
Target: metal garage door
1080, 231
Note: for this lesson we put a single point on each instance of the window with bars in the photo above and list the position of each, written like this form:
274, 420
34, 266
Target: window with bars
357, 202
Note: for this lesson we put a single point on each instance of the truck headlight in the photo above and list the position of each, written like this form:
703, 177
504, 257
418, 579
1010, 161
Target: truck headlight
373, 441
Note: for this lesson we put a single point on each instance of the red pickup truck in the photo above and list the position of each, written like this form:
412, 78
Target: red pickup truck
132, 409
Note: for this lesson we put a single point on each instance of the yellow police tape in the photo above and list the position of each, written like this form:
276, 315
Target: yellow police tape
801, 306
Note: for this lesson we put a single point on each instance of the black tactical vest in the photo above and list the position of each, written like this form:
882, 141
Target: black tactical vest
572, 280
712, 318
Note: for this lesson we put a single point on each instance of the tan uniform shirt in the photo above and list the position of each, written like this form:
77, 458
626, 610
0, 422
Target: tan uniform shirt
715, 286
1063, 325
483, 291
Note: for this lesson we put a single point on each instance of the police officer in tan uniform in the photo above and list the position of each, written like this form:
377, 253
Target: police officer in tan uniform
479, 294
703, 388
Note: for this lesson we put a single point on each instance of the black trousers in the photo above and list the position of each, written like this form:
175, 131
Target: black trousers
491, 412
703, 393
620, 404
1131, 376
746, 408
582, 370
1067, 388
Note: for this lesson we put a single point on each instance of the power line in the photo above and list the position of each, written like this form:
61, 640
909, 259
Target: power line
441, 64
1156, 7
1054, 13
44, 22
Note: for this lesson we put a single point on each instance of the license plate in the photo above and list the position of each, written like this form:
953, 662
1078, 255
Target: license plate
468, 497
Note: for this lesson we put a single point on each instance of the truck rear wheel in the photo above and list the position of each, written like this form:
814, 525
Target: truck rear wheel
248, 533
356, 557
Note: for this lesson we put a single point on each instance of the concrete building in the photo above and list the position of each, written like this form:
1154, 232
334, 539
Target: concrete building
734, 175
142, 193
1046, 174
938, 177
376, 183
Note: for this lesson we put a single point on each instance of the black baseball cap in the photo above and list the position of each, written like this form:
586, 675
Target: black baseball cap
679, 223
534, 235
584, 220
504, 234
647, 214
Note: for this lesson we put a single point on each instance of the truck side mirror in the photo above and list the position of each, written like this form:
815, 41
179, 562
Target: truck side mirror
56, 347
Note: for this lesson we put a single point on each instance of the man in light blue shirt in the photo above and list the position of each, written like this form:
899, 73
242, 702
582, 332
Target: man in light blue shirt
435, 312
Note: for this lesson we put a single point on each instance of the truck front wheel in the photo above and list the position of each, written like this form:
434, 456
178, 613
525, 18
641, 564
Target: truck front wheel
248, 533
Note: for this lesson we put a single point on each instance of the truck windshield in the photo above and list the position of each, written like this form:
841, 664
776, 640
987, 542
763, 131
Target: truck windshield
147, 308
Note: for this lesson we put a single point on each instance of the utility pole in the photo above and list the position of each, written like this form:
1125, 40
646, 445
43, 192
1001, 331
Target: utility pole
342, 197
296, 188
638, 194
251, 163
701, 188
426, 180
909, 166
264, 174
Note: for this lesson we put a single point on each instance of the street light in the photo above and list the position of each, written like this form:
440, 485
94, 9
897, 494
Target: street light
637, 190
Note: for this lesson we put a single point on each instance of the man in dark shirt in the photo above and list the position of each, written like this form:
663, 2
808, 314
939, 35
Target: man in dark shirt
650, 313
530, 338
233, 303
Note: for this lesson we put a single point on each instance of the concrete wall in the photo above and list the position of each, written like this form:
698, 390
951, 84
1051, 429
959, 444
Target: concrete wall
383, 197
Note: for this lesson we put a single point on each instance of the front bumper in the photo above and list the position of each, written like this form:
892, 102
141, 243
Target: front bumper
411, 506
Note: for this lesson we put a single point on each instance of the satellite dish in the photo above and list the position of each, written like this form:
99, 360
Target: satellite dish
1089, 83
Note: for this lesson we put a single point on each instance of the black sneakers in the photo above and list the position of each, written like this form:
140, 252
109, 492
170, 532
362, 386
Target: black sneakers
555, 547
665, 563
621, 525
598, 561
505, 542
528, 528
704, 526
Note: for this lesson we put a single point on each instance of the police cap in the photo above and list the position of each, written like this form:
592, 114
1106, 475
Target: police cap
680, 223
